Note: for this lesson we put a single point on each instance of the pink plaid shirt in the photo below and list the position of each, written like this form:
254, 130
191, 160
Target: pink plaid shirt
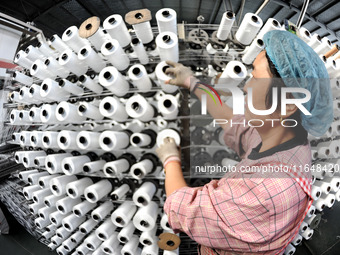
246, 213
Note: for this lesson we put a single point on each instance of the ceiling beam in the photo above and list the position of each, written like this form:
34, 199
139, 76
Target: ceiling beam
323, 8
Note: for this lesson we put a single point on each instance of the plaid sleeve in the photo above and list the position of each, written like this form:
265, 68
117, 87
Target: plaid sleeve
239, 136
236, 214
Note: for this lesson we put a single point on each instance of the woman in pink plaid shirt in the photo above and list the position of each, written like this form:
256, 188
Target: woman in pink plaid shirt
255, 212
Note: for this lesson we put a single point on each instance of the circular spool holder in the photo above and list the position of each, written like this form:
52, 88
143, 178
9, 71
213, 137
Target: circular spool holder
89, 27
138, 16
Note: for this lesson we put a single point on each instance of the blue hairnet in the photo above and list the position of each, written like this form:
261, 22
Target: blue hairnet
300, 66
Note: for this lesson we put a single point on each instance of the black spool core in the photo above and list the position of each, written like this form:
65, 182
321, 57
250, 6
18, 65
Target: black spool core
167, 225
166, 13
260, 42
90, 195
64, 56
49, 164
14, 75
112, 21
318, 194
170, 243
33, 139
135, 41
254, 18
67, 226
107, 106
135, 106
319, 38
61, 110
47, 203
329, 42
109, 170
107, 250
35, 199
136, 71
68, 32
119, 220
70, 191
47, 62
275, 23
76, 212
61, 83
27, 50
82, 139
107, 75
237, 69
107, 140
136, 139
147, 242
21, 115
34, 67
52, 39
95, 217
165, 68
29, 179
167, 103
88, 26
82, 78
82, 108
307, 33
60, 208
67, 166
138, 172
86, 169
17, 159
138, 15
21, 93
109, 46
46, 139
41, 183
83, 230
114, 197
12, 117
53, 220
324, 59
31, 114
83, 52
18, 55
100, 235
13, 137
45, 86
141, 200
332, 201
166, 38
90, 246
229, 15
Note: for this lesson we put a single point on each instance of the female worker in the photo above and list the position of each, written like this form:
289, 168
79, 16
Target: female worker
257, 212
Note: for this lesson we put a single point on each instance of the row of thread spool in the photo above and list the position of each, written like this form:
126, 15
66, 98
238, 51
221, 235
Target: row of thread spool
72, 231
317, 45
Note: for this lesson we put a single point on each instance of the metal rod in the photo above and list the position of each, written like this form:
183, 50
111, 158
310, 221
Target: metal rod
302, 13
265, 2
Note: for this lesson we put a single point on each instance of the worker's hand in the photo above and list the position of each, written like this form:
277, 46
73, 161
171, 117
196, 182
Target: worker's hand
182, 74
168, 151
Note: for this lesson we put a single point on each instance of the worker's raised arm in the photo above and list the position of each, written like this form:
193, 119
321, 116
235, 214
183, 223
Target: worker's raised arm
183, 77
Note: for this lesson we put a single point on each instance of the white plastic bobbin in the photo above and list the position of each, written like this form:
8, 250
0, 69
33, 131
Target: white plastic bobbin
116, 28
90, 84
70, 87
112, 108
73, 40
69, 60
67, 112
91, 58
89, 110
50, 89
140, 51
168, 133
115, 54
139, 77
138, 107
114, 81
39, 70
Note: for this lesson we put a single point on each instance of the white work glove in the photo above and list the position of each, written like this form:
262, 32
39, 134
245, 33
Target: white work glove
183, 74
168, 151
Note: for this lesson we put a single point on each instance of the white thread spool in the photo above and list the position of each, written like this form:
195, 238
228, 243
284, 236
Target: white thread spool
23, 116
140, 140
146, 216
67, 140
327, 199
120, 192
139, 77
66, 204
166, 20
324, 186
334, 182
77, 237
91, 58
50, 139
68, 245
51, 200
72, 221
168, 107
113, 140
143, 31
74, 164
131, 247
33, 179
83, 208
311, 211
253, 50
70, 87
23, 175
25, 138
138, 107
320, 204
112, 108
167, 45
116, 28
35, 207
41, 223
324, 47
126, 233
67, 112
328, 149
73, 40
58, 44
14, 117
336, 108
48, 235
163, 77
39, 70
115, 54
16, 138
111, 245
29, 156
58, 184
297, 240
82, 249
290, 250
307, 234
97, 191
36, 141
28, 191
102, 211
22, 60
141, 169
87, 226
165, 223
92, 242
56, 218
55, 68
116, 168
123, 214
168, 133
248, 29
148, 238
234, 73
23, 95
45, 49
15, 97
22, 78
76, 188
50, 89
140, 51
227, 21
90, 84
34, 114
150, 250
94, 166
316, 192
303, 227
56, 240
45, 212
87, 140
271, 24
34, 94
69, 60
88, 110
105, 230
33, 53
38, 196
315, 41
305, 35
